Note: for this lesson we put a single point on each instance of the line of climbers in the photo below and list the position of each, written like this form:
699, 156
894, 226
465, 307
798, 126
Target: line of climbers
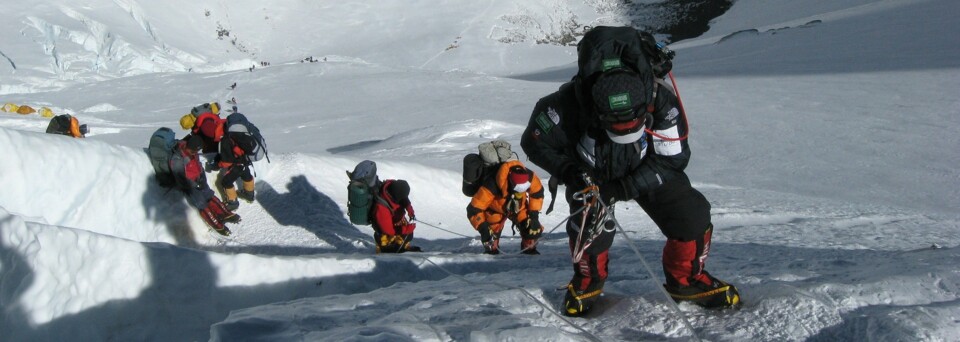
229, 145
500, 187
616, 132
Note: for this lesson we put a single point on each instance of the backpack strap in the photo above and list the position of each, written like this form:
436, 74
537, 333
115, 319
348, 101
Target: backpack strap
650, 106
552, 185
379, 197
672, 87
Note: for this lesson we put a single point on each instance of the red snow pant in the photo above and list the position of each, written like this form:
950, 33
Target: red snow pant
215, 213
683, 215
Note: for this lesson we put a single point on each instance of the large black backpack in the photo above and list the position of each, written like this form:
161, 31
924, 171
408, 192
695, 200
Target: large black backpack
636, 49
604, 48
477, 167
59, 124
160, 151
238, 123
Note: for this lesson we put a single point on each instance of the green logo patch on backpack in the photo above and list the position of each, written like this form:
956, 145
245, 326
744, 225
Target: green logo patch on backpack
620, 101
612, 63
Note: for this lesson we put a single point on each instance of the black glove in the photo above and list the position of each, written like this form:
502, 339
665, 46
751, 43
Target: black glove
572, 177
484, 230
213, 164
534, 219
612, 191
534, 228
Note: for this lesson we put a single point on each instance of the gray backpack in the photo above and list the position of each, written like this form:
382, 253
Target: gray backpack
478, 166
495, 152
160, 150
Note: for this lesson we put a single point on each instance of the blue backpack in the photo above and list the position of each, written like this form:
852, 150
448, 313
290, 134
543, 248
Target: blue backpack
160, 151
238, 123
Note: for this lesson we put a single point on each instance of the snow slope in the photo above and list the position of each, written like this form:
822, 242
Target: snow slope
835, 213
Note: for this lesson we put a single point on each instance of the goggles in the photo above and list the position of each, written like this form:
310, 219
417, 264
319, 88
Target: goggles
623, 122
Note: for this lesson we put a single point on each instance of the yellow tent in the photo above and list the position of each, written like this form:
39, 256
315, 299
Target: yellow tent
25, 109
46, 112
10, 108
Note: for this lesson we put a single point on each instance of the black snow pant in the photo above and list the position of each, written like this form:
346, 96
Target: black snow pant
229, 176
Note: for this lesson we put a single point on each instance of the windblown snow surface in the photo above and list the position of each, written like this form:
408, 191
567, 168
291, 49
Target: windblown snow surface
824, 134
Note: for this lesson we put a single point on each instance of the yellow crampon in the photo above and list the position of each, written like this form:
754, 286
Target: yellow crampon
573, 304
730, 298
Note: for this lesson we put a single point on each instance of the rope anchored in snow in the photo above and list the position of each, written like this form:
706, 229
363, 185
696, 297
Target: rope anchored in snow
549, 309
551, 230
670, 302
598, 218
446, 230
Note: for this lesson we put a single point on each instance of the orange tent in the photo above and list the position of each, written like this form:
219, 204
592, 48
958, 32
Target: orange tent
26, 110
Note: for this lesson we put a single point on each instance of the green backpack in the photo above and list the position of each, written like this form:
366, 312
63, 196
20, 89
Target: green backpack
362, 191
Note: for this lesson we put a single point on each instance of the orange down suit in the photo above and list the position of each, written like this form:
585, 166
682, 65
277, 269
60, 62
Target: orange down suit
491, 203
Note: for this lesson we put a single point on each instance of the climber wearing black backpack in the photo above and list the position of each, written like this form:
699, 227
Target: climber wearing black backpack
505, 190
235, 164
241, 145
617, 132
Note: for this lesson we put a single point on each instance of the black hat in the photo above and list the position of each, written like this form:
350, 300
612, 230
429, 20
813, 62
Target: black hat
195, 142
400, 191
618, 93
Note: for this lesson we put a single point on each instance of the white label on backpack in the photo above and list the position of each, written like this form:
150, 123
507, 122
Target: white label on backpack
667, 147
